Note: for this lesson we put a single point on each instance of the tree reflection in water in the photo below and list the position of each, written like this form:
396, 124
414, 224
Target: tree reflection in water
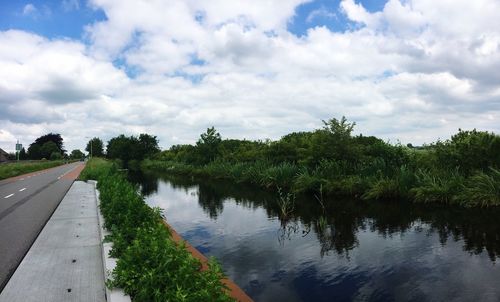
336, 222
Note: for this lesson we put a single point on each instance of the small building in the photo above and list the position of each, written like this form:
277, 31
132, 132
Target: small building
4, 156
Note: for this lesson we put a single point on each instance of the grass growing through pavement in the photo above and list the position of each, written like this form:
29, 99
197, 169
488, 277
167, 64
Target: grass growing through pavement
16, 169
151, 266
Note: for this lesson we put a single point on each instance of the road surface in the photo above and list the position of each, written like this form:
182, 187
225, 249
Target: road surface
26, 204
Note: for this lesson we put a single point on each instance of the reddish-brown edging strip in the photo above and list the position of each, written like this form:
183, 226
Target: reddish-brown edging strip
234, 290
73, 174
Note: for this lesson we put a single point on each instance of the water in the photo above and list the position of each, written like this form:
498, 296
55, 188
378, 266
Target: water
349, 251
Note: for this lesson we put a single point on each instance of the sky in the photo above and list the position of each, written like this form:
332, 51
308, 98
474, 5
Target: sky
407, 71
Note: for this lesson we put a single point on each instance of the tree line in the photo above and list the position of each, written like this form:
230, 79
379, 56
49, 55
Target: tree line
51, 147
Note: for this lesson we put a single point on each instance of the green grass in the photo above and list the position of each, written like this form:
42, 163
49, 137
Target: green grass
482, 189
150, 266
373, 181
23, 167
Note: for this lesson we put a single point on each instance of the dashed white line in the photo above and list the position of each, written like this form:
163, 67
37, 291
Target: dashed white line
9, 196
22, 189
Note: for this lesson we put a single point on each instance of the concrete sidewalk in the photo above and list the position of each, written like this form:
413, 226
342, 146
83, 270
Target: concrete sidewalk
65, 262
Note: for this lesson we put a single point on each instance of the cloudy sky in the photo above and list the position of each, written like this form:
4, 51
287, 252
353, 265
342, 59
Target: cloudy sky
407, 70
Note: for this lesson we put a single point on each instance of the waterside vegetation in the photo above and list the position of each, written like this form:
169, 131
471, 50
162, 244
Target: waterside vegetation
463, 170
151, 266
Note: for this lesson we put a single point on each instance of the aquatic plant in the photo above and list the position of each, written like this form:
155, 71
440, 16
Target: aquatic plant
286, 204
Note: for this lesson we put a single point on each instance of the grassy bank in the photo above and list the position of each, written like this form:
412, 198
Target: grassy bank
464, 169
151, 266
15, 169
478, 189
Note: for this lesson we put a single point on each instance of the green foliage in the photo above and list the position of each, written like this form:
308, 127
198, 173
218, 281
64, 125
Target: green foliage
481, 189
45, 145
469, 151
55, 156
150, 266
343, 164
95, 146
435, 188
208, 146
128, 148
76, 154
15, 169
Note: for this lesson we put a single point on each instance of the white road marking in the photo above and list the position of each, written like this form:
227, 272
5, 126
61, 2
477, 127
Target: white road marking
9, 196
22, 189
22, 178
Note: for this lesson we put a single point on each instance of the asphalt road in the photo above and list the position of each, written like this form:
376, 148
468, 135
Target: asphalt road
26, 204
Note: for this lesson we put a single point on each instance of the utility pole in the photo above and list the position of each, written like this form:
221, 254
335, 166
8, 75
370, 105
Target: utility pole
91, 139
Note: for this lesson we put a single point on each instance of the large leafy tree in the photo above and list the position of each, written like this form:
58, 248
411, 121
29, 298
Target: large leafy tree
45, 145
129, 148
95, 146
76, 154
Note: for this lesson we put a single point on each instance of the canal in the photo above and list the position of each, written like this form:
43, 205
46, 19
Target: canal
334, 250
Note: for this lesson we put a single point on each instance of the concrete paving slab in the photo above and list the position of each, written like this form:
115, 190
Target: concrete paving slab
65, 262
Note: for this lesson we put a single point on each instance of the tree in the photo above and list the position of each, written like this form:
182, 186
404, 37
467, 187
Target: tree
34, 151
147, 145
132, 148
120, 147
96, 147
208, 145
55, 156
22, 154
48, 148
77, 154
45, 145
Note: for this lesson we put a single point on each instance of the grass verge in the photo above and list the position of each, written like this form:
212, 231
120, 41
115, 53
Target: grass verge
20, 168
150, 266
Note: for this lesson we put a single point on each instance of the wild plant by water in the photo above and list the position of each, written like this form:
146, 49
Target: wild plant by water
286, 204
481, 189
437, 188
281, 175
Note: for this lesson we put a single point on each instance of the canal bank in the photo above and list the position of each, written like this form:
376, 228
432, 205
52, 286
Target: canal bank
69, 261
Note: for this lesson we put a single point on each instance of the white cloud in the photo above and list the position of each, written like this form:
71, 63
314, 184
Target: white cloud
29, 9
320, 12
70, 5
399, 72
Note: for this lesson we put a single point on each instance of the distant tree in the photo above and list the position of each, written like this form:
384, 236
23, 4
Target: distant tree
48, 148
208, 145
129, 148
120, 147
55, 156
147, 146
76, 154
45, 145
96, 146
334, 142
22, 154
34, 151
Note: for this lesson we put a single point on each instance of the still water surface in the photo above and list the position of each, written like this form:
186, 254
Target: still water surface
348, 250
